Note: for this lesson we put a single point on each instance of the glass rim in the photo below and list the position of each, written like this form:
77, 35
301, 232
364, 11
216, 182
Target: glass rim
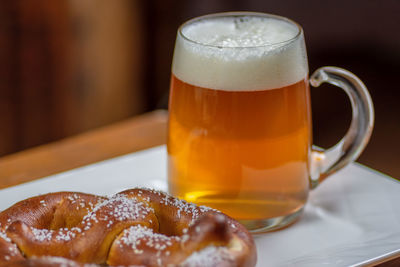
240, 14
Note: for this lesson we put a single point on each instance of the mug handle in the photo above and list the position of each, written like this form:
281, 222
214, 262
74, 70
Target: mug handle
327, 162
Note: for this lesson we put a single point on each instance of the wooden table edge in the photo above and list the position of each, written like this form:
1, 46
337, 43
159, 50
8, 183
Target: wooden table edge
134, 134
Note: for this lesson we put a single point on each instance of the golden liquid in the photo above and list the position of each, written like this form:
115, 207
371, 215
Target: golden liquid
245, 153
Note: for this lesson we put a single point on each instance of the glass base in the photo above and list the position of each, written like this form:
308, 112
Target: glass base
267, 225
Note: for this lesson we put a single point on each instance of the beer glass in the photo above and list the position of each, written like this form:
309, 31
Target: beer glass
239, 137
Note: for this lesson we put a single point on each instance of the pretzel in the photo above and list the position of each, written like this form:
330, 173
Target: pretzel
137, 227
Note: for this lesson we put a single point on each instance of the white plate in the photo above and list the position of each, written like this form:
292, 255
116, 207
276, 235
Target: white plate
352, 219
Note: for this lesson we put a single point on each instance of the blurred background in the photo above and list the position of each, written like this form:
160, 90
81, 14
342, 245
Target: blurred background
68, 66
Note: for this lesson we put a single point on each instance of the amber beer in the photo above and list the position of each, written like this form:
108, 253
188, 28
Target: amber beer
240, 125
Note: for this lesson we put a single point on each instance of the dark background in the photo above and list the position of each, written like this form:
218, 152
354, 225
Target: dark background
70, 66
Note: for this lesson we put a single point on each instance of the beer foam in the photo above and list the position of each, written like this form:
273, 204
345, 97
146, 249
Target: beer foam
240, 53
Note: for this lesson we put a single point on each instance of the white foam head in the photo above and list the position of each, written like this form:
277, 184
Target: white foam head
240, 53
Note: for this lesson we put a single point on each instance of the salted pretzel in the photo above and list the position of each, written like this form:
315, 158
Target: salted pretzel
137, 227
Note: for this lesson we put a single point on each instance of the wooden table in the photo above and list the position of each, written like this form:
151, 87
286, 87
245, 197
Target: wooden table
135, 134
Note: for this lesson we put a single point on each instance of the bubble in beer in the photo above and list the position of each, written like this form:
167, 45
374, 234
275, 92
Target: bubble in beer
240, 32
243, 53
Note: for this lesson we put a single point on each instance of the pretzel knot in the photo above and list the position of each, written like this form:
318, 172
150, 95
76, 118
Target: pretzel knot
137, 227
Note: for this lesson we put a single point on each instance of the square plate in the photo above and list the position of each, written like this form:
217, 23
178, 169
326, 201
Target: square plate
352, 219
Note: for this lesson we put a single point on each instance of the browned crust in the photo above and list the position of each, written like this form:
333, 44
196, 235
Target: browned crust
187, 229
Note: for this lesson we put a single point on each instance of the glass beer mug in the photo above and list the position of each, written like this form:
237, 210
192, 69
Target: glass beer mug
240, 135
